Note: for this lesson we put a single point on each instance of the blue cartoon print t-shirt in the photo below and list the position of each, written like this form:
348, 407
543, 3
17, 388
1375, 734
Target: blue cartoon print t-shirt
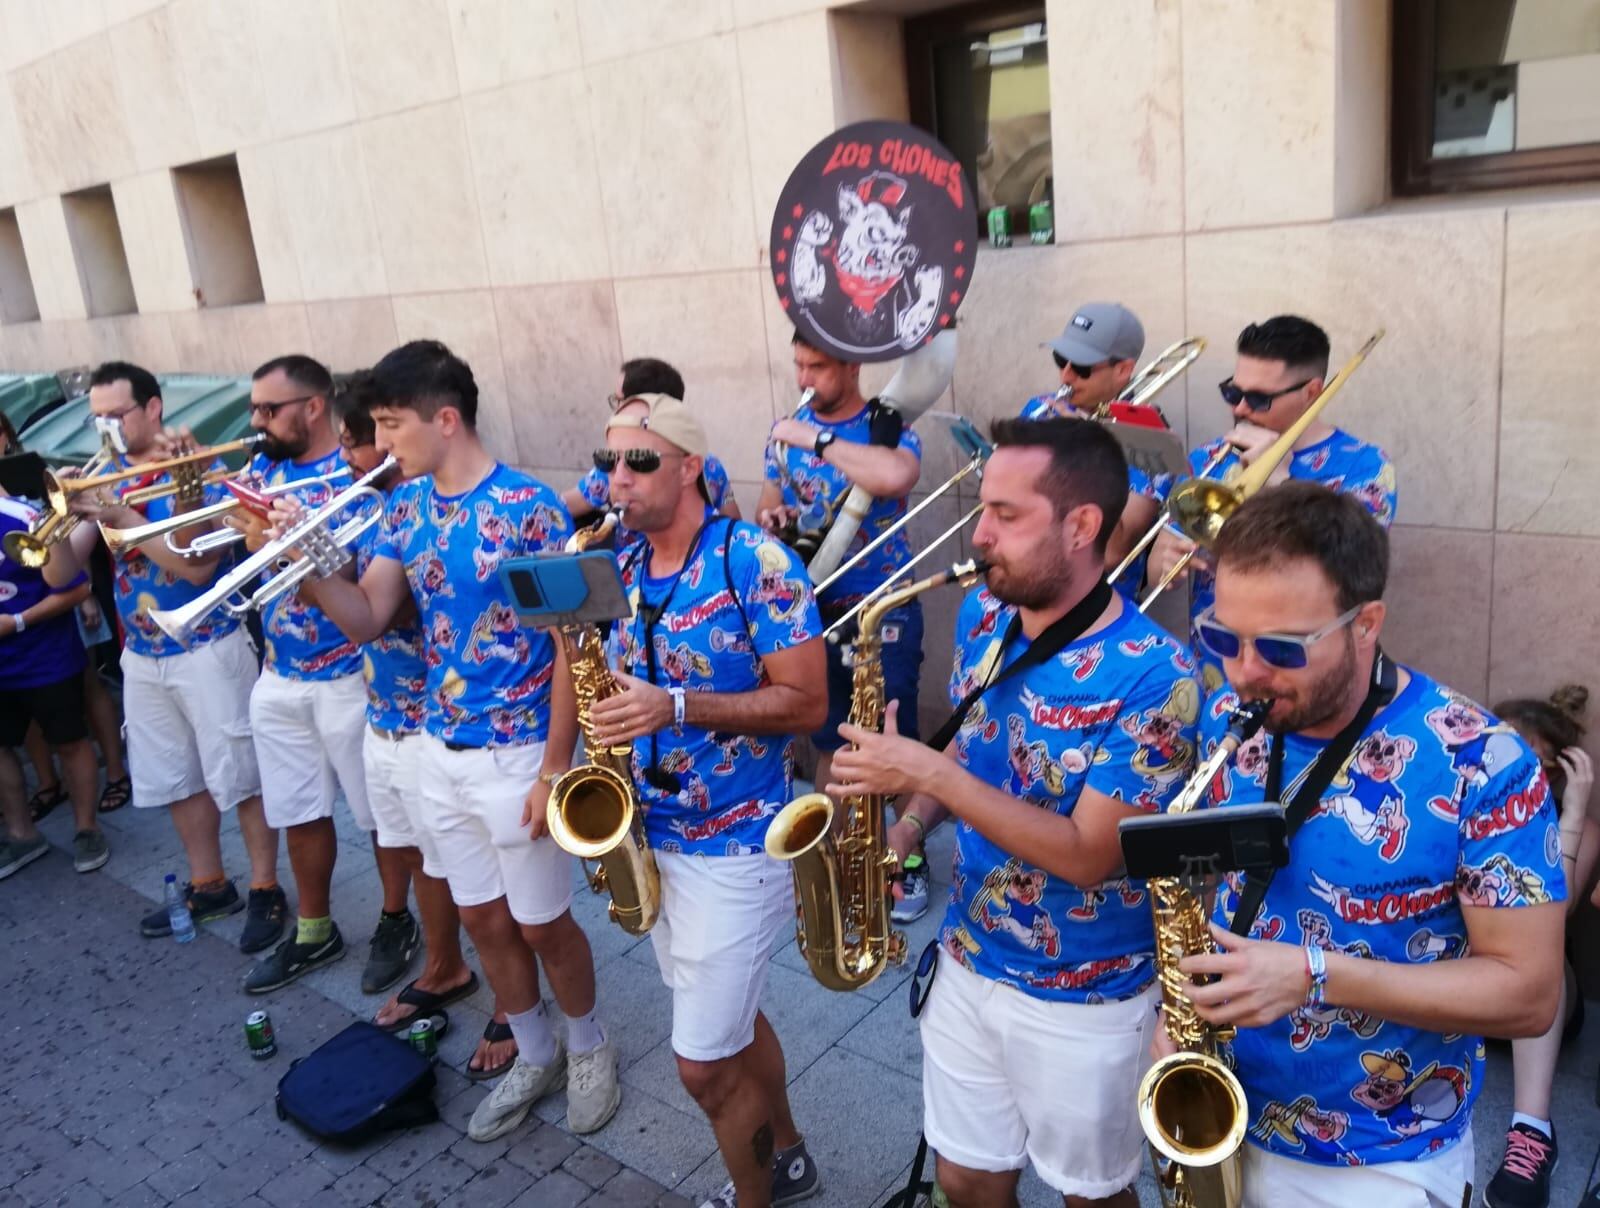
817, 490
392, 664
742, 594
489, 675
1114, 712
1439, 806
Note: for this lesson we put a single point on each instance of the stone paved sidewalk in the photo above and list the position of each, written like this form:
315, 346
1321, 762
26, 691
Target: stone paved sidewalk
127, 1081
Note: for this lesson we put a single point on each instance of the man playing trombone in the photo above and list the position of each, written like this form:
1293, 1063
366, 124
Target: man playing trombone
308, 708
835, 442
1282, 369
1079, 712
187, 710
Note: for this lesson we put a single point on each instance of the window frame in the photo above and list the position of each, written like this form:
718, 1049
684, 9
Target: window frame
1414, 170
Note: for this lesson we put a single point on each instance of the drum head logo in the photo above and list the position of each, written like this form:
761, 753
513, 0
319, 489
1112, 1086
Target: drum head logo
873, 242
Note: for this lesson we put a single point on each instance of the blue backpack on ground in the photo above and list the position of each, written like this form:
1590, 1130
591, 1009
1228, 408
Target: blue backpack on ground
361, 1082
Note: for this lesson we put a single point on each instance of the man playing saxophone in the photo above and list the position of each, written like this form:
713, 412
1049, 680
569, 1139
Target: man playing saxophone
720, 662
1035, 1028
1420, 908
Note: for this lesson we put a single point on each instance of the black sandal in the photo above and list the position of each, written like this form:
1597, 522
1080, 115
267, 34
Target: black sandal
45, 800
426, 1002
494, 1032
115, 795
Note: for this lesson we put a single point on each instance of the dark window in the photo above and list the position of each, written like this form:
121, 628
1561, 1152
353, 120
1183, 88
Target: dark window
1495, 93
979, 78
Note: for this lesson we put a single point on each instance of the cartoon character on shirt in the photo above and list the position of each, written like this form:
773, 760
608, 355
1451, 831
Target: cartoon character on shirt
1478, 749
1305, 1128
495, 536
1163, 755
784, 598
1030, 762
1499, 882
1009, 902
1365, 797
498, 634
1409, 1105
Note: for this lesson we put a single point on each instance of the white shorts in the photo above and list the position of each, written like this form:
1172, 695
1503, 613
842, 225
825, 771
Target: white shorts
1008, 1079
472, 807
308, 743
1271, 1180
721, 917
391, 767
188, 718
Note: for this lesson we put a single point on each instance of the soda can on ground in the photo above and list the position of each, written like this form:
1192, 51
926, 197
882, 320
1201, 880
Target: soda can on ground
424, 1039
999, 227
1041, 223
258, 1035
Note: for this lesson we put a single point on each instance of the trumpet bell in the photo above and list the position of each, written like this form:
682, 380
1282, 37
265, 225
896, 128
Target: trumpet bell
26, 550
1200, 507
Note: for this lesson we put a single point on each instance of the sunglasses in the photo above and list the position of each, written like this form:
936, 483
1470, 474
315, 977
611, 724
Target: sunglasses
270, 410
1285, 651
1082, 371
1256, 400
922, 979
640, 461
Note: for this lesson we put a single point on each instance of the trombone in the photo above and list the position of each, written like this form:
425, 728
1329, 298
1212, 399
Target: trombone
1199, 507
32, 548
322, 540
120, 540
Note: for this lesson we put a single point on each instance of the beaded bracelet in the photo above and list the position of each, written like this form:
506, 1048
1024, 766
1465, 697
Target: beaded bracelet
1317, 968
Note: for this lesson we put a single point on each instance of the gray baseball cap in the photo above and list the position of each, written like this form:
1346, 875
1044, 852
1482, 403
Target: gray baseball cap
1100, 331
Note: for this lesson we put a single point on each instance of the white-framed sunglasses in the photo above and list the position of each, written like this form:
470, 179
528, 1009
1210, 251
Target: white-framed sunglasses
1285, 651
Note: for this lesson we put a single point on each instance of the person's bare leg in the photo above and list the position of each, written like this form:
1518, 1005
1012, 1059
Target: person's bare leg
394, 874
260, 842
13, 799
104, 723
764, 1059
968, 1188
199, 827
1533, 1063
735, 1103
81, 772
444, 968
563, 949
313, 848
44, 764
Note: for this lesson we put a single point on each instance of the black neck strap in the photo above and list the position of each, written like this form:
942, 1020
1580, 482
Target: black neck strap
1328, 764
1060, 634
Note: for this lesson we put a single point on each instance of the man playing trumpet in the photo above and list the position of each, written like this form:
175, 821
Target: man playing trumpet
1034, 1031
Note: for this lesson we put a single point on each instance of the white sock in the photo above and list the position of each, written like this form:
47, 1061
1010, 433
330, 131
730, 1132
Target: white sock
584, 1033
536, 1043
1542, 1125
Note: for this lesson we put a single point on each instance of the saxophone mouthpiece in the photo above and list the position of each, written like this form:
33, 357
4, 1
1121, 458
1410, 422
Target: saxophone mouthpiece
806, 396
1248, 717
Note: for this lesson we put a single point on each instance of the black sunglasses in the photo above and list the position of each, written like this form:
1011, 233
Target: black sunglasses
640, 461
1256, 400
1082, 371
270, 410
922, 979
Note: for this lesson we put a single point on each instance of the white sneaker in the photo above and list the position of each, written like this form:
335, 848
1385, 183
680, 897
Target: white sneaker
593, 1092
725, 1198
519, 1089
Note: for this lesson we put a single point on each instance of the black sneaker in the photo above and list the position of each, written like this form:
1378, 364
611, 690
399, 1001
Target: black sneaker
290, 960
1523, 1180
794, 1176
394, 944
203, 908
263, 926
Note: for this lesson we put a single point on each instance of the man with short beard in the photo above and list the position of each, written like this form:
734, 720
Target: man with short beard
1421, 906
1034, 1030
308, 708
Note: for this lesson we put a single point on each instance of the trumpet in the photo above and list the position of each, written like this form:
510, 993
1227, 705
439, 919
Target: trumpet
120, 540
1199, 507
32, 548
323, 542
188, 477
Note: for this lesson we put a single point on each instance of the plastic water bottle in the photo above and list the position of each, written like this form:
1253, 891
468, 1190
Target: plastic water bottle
178, 912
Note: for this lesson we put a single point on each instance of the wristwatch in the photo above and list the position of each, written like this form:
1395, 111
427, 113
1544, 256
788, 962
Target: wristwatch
824, 439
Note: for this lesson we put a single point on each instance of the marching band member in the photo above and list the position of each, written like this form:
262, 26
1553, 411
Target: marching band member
1035, 1028
308, 708
728, 612
41, 680
187, 711
396, 673
1096, 355
1281, 369
812, 461
499, 720
645, 375
1421, 905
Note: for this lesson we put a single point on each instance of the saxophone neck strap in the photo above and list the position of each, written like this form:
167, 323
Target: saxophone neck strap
1060, 634
1318, 777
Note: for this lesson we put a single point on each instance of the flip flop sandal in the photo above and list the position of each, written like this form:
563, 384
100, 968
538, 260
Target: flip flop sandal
45, 800
115, 795
427, 1002
494, 1033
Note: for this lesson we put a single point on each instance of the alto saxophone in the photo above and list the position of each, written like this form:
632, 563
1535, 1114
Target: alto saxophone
1191, 1106
841, 882
594, 811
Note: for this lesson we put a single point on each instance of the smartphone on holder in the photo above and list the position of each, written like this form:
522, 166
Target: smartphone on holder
556, 590
1205, 843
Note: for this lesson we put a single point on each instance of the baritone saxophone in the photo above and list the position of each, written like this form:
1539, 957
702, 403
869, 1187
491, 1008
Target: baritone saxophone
841, 880
594, 811
1191, 1105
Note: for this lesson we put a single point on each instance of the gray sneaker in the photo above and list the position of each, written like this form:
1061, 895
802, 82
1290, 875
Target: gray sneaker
593, 1092
17, 854
509, 1103
90, 850
794, 1178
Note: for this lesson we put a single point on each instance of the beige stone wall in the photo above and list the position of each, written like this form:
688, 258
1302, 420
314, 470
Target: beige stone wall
550, 185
